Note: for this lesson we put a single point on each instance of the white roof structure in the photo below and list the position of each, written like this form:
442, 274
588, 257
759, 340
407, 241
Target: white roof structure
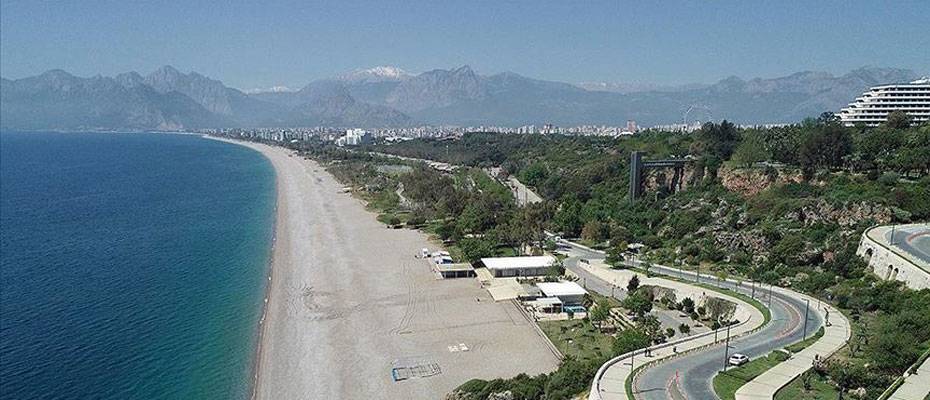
557, 289
548, 301
500, 263
872, 107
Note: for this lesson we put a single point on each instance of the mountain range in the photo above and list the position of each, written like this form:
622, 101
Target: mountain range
168, 99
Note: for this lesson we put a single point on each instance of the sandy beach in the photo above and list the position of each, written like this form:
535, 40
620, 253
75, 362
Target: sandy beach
349, 301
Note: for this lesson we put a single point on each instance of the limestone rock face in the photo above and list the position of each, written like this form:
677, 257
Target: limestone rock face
750, 181
846, 214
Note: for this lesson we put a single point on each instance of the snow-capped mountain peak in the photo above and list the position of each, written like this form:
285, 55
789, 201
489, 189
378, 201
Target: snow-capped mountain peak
273, 89
382, 73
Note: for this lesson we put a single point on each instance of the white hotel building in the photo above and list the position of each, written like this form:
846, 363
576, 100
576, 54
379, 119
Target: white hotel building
873, 107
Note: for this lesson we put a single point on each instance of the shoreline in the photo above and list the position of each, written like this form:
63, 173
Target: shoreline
348, 304
255, 367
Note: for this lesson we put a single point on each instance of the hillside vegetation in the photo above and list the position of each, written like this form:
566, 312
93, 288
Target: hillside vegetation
782, 205
815, 187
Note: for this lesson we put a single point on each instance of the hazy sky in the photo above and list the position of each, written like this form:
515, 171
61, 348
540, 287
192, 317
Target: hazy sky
249, 44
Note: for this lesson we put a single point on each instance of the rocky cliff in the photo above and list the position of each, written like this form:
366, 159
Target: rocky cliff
749, 182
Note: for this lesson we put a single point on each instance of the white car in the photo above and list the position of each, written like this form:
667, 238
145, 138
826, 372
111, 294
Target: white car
425, 253
738, 359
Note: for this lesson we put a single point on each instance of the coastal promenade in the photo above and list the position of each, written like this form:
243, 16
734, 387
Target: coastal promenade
352, 314
916, 386
610, 380
836, 334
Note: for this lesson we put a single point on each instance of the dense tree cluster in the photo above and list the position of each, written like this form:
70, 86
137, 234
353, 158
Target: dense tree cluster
584, 183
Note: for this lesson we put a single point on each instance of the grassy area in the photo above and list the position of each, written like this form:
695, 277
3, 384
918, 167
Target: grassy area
578, 338
806, 342
821, 389
755, 303
727, 383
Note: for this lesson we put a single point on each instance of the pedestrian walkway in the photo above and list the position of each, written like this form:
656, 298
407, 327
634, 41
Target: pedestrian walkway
835, 335
610, 379
916, 386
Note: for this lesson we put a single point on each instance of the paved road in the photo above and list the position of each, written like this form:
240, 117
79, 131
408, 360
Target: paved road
667, 318
912, 239
696, 370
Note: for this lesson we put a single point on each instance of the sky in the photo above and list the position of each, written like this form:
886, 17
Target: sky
259, 44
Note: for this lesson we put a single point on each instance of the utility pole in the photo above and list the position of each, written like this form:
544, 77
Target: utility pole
726, 350
770, 296
807, 306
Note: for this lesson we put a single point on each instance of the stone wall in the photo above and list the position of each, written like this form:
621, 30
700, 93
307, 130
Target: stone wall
889, 264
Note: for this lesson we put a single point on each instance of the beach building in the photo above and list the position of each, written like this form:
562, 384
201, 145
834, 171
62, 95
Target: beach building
548, 305
873, 106
455, 270
567, 293
442, 257
502, 267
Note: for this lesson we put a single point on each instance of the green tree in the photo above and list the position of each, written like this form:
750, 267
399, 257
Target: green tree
898, 120
629, 340
824, 146
592, 231
633, 284
638, 303
600, 312
615, 256
474, 249
687, 305
750, 151
716, 140
555, 271
651, 327
568, 217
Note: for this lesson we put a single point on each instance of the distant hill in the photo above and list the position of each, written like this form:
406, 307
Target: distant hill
390, 97
59, 100
215, 97
168, 99
462, 97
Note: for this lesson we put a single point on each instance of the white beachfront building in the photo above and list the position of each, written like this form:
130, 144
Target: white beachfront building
355, 137
504, 267
873, 107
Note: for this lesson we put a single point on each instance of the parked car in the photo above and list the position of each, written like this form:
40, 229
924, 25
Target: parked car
738, 359
424, 253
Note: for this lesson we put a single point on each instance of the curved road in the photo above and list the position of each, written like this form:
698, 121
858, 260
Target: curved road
912, 239
696, 371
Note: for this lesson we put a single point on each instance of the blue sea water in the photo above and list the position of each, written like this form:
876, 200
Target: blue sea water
133, 266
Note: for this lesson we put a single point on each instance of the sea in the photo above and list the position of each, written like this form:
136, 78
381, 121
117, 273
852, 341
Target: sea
133, 265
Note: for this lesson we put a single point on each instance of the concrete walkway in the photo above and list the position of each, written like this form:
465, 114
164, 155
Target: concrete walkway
835, 336
916, 386
610, 380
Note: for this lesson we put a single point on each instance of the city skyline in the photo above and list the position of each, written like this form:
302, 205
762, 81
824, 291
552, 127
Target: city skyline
617, 42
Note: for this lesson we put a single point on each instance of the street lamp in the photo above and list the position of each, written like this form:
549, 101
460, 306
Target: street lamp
726, 351
770, 296
807, 304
